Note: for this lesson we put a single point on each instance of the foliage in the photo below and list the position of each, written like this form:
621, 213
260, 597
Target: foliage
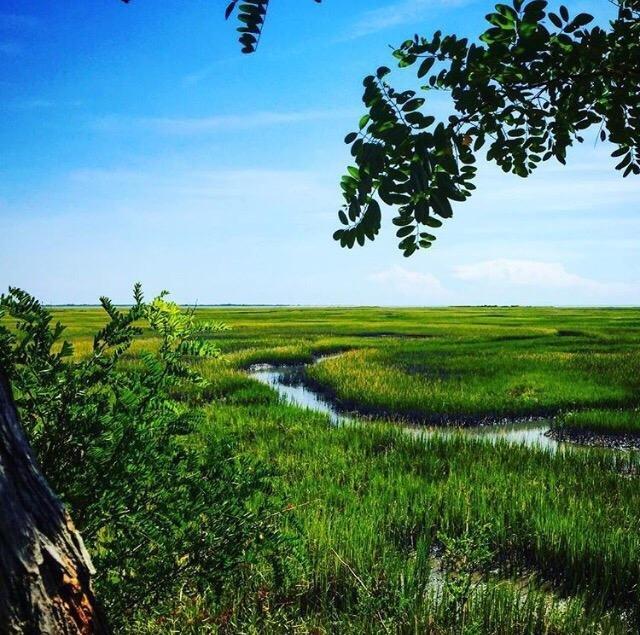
529, 90
158, 512
251, 15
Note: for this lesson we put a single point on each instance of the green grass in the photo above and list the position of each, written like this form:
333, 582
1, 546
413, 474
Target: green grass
613, 422
451, 364
466, 381
370, 510
565, 515
436, 365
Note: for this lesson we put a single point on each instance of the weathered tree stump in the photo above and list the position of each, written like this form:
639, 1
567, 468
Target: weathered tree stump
45, 570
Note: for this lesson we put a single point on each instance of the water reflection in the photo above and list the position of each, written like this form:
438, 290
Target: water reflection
286, 381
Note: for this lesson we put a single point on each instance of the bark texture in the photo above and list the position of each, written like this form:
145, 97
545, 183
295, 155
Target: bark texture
45, 570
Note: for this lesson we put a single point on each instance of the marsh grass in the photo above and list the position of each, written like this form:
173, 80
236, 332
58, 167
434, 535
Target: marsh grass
372, 510
570, 517
611, 422
371, 506
467, 381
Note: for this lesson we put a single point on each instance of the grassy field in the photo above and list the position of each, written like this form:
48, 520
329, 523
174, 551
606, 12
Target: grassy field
393, 533
442, 365
612, 422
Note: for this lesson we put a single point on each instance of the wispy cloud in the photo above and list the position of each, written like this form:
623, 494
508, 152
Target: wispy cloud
216, 123
44, 104
396, 14
421, 286
558, 189
200, 74
251, 195
191, 79
543, 275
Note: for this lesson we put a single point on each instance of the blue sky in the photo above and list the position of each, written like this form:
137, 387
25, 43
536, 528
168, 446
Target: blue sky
139, 144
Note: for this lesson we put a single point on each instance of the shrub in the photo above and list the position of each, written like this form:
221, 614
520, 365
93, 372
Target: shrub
160, 508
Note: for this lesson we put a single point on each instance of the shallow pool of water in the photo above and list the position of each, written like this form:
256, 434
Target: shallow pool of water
282, 379
286, 381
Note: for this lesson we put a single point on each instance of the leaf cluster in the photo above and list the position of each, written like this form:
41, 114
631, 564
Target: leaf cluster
526, 91
251, 15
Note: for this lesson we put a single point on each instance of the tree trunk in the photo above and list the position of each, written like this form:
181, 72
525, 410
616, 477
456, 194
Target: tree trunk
45, 570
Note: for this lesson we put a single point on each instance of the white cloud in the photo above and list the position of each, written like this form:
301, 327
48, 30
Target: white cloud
395, 14
533, 273
557, 192
180, 181
191, 79
200, 74
411, 283
216, 123
251, 235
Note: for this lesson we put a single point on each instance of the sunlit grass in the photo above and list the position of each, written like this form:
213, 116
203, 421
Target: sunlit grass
375, 493
463, 381
367, 507
603, 421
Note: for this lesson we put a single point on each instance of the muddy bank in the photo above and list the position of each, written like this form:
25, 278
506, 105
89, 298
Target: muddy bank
595, 439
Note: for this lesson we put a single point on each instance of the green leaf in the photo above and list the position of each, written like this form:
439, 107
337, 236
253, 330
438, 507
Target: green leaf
426, 66
405, 231
413, 104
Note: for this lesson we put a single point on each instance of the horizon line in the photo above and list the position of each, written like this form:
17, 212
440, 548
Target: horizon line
223, 305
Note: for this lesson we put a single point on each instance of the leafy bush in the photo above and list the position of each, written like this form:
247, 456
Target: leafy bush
161, 508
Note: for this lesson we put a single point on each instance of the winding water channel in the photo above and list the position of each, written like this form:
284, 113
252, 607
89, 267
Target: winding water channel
286, 380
